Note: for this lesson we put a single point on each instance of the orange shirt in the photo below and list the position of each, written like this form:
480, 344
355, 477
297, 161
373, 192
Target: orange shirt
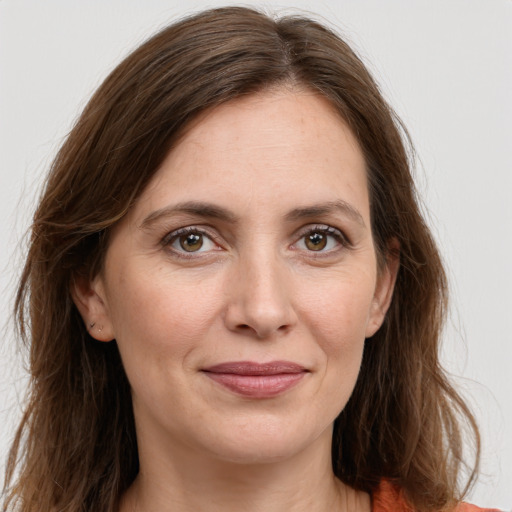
388, 498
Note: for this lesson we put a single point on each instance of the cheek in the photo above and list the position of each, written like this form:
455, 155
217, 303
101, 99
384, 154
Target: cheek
338, 308
336, 315
159, 318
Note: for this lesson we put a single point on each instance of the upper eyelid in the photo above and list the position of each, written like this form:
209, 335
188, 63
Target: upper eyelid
318, 227
326, 228
203, 230
167, 239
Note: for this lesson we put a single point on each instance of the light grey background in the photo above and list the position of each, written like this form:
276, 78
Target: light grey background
446, 67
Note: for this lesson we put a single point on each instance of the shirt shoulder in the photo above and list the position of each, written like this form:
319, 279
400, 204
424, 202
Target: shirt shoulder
389, 498
467, 507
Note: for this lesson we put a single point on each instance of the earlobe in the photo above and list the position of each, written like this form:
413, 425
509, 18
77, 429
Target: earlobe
90, 300
384, 289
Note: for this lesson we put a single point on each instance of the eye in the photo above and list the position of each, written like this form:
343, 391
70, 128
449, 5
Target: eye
321, 239
189, 240
316, 241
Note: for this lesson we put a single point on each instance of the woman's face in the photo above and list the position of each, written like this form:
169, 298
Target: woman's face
242, 285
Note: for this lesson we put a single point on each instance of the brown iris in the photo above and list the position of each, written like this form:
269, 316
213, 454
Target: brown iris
316, 241
191, 242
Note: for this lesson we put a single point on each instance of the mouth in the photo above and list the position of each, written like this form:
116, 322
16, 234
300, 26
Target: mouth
256, 380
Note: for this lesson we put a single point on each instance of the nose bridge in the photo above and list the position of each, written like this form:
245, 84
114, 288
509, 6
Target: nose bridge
260, 302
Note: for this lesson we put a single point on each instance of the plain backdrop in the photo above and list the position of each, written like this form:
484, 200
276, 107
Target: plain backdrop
445, 66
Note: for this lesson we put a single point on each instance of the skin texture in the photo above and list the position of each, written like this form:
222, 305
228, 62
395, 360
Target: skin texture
255, 290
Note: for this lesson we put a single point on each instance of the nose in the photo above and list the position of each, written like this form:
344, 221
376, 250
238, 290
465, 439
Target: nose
259, 302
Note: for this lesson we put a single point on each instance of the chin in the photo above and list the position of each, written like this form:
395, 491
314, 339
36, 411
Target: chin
255, 454
267, 444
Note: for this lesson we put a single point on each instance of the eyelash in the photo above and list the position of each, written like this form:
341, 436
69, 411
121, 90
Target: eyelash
329, 231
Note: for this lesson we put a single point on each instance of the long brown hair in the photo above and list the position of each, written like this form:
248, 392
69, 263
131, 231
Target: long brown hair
76, 447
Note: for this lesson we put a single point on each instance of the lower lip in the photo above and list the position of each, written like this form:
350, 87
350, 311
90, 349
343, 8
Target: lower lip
257, 386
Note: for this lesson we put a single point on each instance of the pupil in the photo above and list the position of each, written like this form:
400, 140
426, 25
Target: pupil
191, 242
316, 241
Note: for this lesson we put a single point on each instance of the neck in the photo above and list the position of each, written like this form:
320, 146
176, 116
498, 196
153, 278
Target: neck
186, 482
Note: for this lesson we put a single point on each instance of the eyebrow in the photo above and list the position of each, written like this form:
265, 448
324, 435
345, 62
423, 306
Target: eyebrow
208, 210
199, 209
318, 210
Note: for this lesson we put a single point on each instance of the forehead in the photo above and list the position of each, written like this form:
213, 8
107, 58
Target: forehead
272, 148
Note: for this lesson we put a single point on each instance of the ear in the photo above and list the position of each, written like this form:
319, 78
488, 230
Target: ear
90, 299
384, 289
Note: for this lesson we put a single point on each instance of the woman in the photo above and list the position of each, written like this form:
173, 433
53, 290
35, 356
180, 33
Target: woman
231, 298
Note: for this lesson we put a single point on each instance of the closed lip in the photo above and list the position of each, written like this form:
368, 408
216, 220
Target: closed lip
257, 380
256, 369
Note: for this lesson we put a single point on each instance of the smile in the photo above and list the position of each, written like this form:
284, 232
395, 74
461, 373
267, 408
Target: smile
257, 380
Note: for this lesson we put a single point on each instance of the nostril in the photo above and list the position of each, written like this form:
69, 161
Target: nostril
261, 332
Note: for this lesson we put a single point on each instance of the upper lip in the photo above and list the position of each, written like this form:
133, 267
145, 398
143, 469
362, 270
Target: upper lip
252, 368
